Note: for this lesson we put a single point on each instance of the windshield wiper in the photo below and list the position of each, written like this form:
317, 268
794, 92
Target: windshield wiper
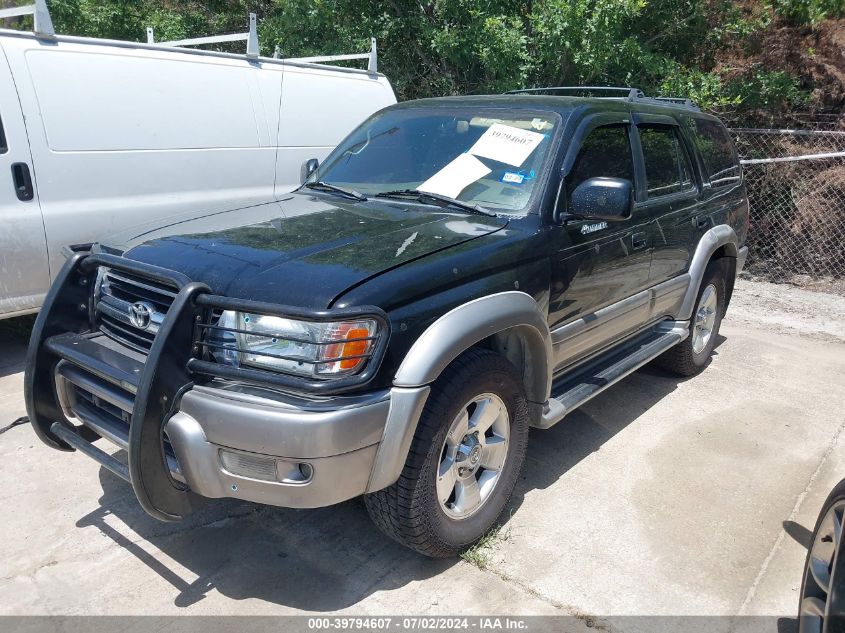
435, 198
319, 185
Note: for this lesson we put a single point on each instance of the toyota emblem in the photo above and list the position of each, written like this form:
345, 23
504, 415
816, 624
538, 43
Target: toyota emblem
141, 314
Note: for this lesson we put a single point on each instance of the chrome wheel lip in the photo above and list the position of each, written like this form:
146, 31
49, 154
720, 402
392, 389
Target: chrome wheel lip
473, 456
818, 575
705, 319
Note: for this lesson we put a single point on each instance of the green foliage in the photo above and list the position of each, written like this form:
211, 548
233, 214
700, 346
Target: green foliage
768, 89
438, 47
807, 11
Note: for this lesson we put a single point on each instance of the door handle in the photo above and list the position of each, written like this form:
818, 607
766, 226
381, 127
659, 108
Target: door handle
702, 221
22, 181
638, 241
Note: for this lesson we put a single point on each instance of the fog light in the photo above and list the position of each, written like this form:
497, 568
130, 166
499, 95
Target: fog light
294, 473
250, 466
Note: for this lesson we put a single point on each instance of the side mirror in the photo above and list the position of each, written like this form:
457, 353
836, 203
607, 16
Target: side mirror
603, 199
308, 168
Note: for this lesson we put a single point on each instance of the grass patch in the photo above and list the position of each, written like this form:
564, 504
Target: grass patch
480, 553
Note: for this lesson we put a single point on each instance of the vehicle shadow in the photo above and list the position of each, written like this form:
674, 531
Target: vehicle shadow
14, 337
319, 560
331, 558
552, 452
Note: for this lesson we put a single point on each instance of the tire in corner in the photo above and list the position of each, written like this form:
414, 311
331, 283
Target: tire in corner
820, 608
684, 359
410, 511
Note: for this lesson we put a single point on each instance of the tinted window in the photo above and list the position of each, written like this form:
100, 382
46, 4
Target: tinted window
667, 168
606, 152
713, 141
3, 147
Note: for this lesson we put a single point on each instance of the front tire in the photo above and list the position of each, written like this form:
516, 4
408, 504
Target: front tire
464, 460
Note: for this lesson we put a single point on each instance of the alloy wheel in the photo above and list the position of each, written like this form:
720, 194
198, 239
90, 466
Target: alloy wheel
472, 456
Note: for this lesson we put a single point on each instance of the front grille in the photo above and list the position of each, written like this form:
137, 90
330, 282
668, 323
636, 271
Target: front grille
130, 308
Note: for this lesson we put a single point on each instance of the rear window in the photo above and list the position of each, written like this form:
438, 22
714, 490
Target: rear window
721, 165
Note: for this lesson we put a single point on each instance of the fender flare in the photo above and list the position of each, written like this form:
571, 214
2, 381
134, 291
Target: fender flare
710, 242
441, 343
464, 326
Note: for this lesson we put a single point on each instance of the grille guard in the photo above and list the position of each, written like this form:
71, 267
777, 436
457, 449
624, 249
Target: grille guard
173, 363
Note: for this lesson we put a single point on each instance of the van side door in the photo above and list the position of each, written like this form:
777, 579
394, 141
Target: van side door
24, 271
600, 269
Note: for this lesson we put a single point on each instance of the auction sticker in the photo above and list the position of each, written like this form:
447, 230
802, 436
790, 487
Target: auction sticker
506, 144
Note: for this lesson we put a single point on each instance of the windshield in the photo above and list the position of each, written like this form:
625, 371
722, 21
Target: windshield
491, 159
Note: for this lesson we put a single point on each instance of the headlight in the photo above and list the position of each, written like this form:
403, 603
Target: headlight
291, 346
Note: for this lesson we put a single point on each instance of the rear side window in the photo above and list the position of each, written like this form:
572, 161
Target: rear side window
3, 147
721, 165
667, 167
605, 152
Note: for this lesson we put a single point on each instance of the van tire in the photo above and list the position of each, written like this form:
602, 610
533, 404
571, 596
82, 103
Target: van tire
410, 511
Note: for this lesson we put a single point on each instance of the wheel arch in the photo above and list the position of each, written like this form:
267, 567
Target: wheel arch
510, 323
719, 242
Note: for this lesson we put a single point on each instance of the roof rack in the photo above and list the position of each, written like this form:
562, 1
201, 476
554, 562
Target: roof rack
624, 93
43, 27
251, 38
628, 94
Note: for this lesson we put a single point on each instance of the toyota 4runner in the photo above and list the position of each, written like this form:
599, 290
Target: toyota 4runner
456, 271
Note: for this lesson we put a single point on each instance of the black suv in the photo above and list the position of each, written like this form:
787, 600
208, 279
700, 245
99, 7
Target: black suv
456, 271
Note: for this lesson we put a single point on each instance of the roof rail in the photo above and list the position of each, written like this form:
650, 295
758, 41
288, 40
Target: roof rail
43, 25
628, 94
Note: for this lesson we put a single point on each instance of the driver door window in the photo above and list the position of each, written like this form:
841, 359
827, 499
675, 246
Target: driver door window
606, 152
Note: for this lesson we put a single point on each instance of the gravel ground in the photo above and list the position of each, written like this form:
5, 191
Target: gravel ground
787, 309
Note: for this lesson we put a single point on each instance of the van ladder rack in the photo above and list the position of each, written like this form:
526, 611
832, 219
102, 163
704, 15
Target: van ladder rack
43, 25
250, 37
627, 94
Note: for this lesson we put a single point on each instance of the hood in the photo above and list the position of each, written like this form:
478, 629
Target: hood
304, 250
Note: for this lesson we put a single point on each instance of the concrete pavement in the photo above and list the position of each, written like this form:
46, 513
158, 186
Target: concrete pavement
661, 496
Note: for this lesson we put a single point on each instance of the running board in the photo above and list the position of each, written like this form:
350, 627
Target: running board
575, 389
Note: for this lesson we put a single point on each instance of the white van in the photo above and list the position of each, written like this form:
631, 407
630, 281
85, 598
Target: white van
98, 135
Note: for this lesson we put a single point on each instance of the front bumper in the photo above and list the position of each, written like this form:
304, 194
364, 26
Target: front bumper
189, 436
320, 456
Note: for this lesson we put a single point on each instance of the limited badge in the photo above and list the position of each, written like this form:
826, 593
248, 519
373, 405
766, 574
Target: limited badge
592, 228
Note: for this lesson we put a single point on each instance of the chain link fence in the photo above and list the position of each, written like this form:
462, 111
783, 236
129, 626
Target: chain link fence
796, 190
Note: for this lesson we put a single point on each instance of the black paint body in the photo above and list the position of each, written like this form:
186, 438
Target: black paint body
319, 251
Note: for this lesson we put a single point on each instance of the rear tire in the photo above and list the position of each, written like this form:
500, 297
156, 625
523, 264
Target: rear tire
464, 460
691, 356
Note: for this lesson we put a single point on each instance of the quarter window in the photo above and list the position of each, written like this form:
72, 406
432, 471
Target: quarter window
3, 147
713, 141
667, 167
606, 152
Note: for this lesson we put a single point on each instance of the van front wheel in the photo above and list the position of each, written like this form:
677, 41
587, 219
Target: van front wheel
464, 460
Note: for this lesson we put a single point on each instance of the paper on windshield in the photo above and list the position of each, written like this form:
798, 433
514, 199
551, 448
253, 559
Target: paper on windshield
506, 144
456, 176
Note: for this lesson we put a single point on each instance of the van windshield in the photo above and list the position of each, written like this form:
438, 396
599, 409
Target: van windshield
491, 159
